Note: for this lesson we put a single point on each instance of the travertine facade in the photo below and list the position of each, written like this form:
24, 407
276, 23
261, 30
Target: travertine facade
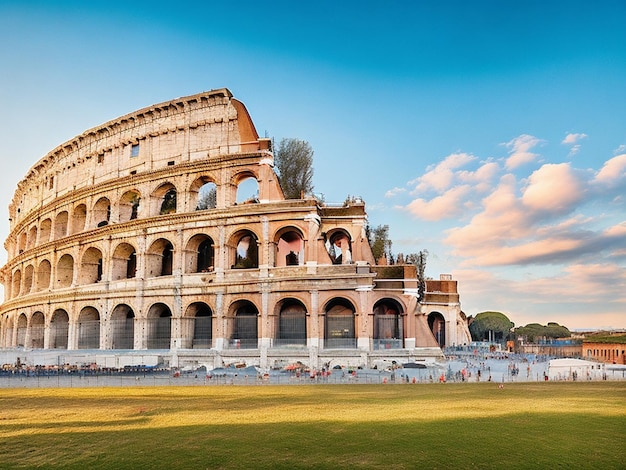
135, 236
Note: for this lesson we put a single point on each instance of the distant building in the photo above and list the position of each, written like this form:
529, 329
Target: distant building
137, 238
606, 348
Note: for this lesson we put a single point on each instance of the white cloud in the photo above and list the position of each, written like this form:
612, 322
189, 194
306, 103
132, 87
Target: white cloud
440, 177
520, 152
571, 139
553, 188
394, 192
612, 173
452, 203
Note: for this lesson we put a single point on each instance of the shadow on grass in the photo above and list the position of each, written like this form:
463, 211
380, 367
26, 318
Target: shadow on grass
519, 440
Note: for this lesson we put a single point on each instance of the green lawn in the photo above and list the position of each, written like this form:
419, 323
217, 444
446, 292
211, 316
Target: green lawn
525, 425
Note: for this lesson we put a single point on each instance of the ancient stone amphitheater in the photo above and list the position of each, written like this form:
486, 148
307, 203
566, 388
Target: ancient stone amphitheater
163, 236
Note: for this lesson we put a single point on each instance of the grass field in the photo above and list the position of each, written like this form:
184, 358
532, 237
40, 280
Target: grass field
525, 425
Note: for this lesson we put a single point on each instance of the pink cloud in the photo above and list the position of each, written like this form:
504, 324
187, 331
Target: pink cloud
441, 176
450, 204
520, 151
553, 188
613, 172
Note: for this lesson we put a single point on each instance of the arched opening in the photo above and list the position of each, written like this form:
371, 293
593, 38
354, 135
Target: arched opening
388, 327
37, 330
58, 329
45, 230
91, 267
16, 284
65, 271
200, 316
124, 262
44, 273
339, 331
122, 327
29, 274
291, 331
129, 205
339, 247
60, 225
102, 212
289, 249
159, 327
168, 201
7, 333
159, 258
79, 218
437, 325
21, 242
246, 252
22, 326
247, 190
206, 195
89, 329
245, 325
199, 254
32, 237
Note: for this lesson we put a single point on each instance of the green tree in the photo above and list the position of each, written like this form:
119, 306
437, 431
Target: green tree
294, 164
378, 238
419, 260
533, 331
490, 325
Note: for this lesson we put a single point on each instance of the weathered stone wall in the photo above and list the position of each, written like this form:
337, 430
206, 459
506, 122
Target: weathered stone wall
111, 248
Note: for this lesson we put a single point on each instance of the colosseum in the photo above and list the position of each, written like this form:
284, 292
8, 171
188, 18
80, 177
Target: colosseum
163, 236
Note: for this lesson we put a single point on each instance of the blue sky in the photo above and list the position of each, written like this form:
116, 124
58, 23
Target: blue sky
492, 134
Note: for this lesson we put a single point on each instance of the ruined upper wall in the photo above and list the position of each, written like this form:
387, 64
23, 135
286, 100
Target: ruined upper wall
205, 125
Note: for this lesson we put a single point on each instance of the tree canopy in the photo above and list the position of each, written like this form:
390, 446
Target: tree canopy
534, 331
490, 325
294, 164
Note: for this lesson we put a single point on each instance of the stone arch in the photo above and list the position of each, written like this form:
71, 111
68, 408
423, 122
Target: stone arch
244, 331
29, 273
37, 330
102, 212
122, 327
246, 250
289, 247
22, 328
203, 194
200, 254
22, 241
16, 284
388, 324
130, 205
32, 237
199, 322
45, 230
88, 328
160, 258
65, 271
437, 325
60, 225
291, 322
124, 262
6, 340
79, 218
59, 328
44, 274
164, 199
91, 267
339, 330
339, 246
247, 188
159, 327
